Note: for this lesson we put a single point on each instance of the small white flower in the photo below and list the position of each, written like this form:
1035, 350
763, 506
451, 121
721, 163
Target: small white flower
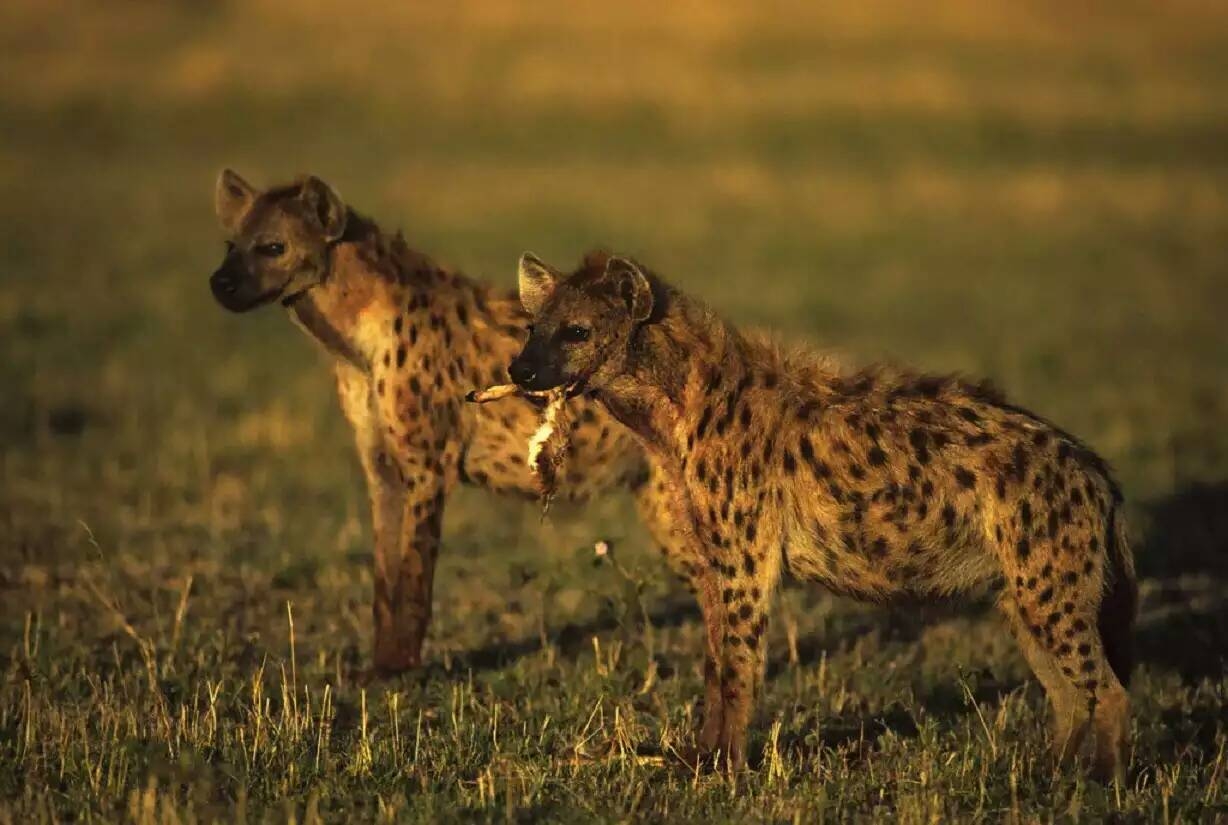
601, 548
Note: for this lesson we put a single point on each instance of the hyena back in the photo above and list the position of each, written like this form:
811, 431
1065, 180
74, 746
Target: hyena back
407, 339
879, 485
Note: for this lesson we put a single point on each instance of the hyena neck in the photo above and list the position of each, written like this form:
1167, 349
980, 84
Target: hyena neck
356, 295
376, 278
669, 363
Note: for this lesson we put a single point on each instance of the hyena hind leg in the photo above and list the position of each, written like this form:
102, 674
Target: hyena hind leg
1069, 660
1070, 718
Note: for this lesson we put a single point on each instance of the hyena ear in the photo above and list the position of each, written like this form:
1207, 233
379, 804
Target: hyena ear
632, 286
231, 199
326, 205
537, 282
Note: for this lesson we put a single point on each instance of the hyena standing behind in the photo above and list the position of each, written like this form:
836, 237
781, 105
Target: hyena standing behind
878, 485
407, 340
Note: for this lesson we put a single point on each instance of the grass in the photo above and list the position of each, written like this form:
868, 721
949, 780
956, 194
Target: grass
1036, 194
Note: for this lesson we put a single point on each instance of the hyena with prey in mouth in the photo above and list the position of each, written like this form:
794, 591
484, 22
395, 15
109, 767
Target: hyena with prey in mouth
879, 484
407, 339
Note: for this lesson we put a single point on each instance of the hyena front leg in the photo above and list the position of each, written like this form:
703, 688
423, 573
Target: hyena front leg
405, 575
665, 509
405, 516
747, 599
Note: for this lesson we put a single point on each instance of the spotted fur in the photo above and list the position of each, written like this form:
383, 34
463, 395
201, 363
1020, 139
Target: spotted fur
408, 339
880, 484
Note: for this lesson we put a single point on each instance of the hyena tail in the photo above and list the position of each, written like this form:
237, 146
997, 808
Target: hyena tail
1119, 607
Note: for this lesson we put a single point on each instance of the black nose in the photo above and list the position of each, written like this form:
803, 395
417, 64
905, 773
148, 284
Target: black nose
521, 372
224, 283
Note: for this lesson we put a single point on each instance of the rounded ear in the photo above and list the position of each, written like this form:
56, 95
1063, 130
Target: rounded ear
537, 282
633, 287
326, 205
232, 197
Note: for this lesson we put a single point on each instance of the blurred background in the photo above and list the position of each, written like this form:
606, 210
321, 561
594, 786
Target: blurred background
1033, 192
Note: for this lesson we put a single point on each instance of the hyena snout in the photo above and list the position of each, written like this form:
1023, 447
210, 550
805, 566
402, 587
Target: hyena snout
223, 284
235, 289
535, 375
537, 368
522, 372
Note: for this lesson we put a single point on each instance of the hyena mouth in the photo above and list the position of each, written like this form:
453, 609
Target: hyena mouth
239, 303
264, 299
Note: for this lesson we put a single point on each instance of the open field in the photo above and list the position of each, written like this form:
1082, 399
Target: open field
1040, 196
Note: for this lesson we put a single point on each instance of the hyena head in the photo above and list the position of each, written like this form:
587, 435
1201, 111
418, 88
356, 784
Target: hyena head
581, 324
278, 241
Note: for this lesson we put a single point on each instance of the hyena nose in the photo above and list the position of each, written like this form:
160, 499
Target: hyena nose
224, 283
521, 372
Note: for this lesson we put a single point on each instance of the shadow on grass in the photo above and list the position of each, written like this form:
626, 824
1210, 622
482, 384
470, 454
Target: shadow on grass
1187, 533
569, 640
1184, 558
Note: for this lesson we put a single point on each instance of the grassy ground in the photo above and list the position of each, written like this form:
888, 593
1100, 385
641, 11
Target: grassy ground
1040, 196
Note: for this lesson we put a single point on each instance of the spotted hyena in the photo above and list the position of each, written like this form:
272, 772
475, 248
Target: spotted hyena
407, 339
878, 484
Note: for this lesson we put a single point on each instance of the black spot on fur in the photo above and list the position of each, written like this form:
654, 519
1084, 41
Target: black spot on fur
704, 420
1019, 463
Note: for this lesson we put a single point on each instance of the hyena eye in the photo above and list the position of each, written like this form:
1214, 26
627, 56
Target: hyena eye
271, 250
574, 333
